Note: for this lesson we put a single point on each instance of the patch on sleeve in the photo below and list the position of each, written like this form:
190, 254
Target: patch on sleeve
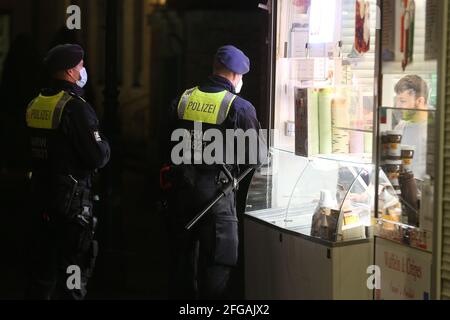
97, 136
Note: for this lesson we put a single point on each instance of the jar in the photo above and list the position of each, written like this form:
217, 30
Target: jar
393, 168
394, 140
407, 157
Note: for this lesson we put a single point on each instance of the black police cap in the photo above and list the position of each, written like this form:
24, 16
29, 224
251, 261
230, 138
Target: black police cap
233, 59
63, 57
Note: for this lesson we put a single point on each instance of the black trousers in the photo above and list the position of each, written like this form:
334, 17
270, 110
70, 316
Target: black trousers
54, 247
203, 258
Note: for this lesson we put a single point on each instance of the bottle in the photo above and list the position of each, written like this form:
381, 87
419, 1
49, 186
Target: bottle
319, 220
326, 199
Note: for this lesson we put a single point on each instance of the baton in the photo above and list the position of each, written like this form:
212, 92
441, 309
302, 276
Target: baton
231, 186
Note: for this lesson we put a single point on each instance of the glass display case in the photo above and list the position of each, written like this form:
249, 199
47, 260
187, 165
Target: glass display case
307, 228
320, 182
319, 198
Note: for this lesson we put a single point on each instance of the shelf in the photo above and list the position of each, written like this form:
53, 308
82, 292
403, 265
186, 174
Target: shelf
409, 109
353, 129
353, 158
361, 159
404, 234
429, 251
402, 225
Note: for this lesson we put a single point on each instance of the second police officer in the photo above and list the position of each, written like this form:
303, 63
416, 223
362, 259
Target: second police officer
66, 149
202, 259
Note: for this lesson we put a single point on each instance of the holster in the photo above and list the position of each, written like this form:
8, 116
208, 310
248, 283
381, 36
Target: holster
82, 223
63, 192
92, 258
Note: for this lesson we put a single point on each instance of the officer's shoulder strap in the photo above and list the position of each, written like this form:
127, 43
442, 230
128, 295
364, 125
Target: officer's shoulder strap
184, 101
31, 103
225, 106
186, 95
76, 96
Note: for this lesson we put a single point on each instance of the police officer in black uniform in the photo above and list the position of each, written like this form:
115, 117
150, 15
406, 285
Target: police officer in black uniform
66, 150
202, 259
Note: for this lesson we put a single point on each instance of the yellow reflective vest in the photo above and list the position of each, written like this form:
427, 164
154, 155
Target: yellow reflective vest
45, 112
205, 107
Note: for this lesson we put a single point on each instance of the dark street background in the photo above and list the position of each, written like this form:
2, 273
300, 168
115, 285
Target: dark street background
163, 47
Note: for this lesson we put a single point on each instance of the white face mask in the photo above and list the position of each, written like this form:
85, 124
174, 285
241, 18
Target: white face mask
239, 86
84, 78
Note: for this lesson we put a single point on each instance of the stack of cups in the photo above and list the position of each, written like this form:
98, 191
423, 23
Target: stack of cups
393, 168
391, 156
407, 155
397, 161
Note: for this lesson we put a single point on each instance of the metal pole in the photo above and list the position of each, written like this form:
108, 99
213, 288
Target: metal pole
232, 186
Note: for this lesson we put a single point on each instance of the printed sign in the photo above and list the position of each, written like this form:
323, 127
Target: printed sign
405, 271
